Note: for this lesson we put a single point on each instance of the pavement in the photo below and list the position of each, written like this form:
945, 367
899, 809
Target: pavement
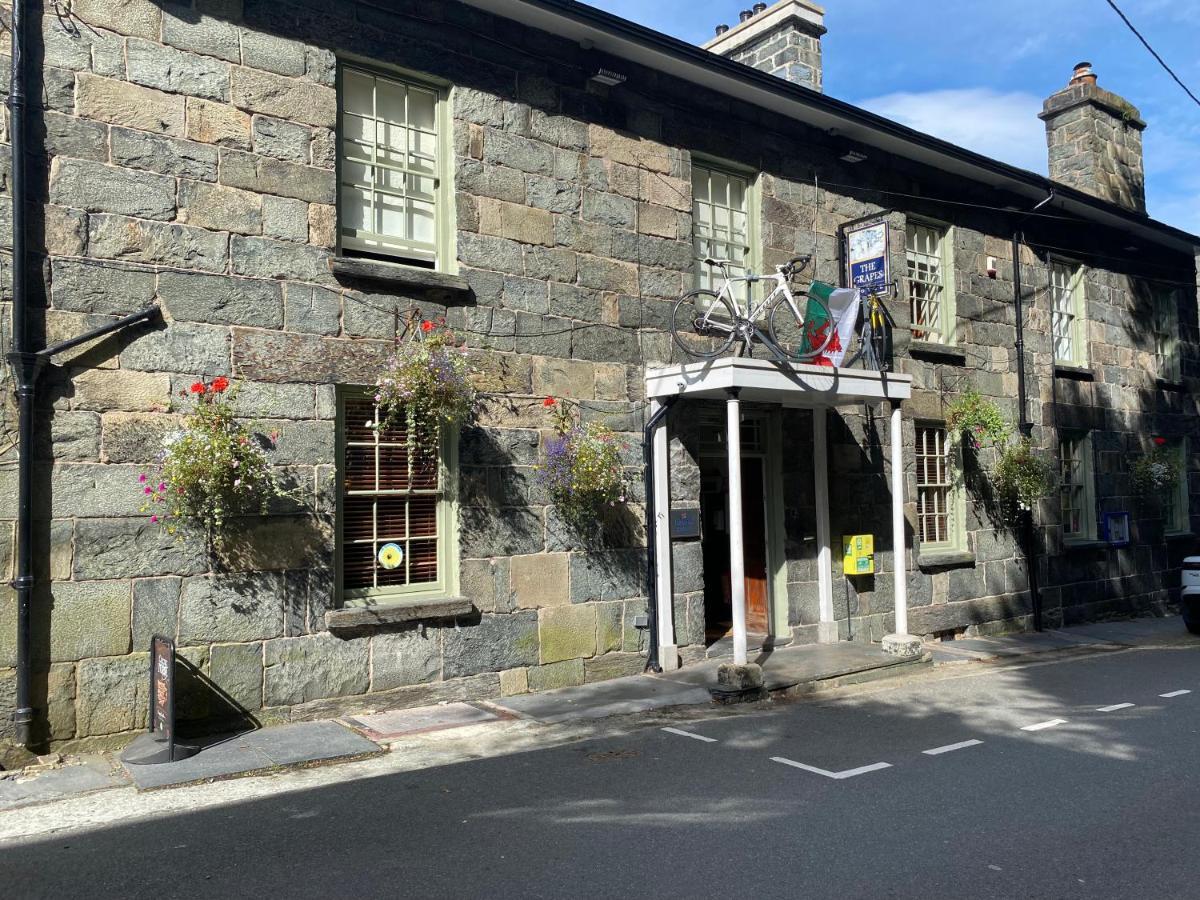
1068, 775
789, 671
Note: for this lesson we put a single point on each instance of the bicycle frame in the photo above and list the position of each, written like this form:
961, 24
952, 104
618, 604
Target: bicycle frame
748, 319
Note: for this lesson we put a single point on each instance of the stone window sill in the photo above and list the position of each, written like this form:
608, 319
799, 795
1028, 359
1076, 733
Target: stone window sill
1165, 385
1079, 373
1179, 535
938, 352
356, 618
396, 274
1084, 544
946, 559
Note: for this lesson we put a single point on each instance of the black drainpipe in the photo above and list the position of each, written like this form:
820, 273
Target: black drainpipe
1024, 425
26, 366
653, 663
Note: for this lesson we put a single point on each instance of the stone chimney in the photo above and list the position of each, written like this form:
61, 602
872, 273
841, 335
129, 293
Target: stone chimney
784, 39
1095, 140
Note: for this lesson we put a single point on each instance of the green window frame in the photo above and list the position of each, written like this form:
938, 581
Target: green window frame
725, 212
1068, 323
1166, 333
929, 255
941, 499
393, 168
389, 493
1077, 489
1176, 515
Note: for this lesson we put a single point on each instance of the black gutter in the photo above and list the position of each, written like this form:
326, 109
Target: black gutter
688, 53
653, 663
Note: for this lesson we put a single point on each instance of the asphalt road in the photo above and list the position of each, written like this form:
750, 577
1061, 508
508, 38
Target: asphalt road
1098, 804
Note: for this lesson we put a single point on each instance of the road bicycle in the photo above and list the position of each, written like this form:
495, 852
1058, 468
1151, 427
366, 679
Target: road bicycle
873, 334
705, 324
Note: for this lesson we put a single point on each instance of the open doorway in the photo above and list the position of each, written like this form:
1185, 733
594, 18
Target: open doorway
714, 501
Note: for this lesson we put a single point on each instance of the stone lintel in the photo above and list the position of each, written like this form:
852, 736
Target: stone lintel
354, 618
361, 269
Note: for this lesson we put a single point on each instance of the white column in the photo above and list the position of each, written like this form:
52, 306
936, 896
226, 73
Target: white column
827, 631
737, 566
668, 652
899, 554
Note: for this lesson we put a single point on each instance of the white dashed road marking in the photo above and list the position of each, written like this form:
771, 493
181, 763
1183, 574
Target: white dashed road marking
849, 773
961, 745
1171, 694
1115, 707
1043, 725
695, 737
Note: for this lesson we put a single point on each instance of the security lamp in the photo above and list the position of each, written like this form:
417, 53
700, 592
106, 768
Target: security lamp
607, 77
853, 156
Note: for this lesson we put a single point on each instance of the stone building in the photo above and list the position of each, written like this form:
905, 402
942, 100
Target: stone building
288, 180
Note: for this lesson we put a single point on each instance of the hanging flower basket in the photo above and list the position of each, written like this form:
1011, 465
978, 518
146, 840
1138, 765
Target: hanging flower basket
1154, 474
210, 470
582, 470
979, 420
426, 384
1022, 476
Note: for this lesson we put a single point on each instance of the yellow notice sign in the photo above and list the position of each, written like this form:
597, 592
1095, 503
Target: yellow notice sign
858, 554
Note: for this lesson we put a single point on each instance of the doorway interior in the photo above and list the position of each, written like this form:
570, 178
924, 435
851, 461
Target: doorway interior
714, 513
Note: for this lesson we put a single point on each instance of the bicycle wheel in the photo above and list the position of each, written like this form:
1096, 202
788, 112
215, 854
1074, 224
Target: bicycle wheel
859, 340
801, 337
702, 324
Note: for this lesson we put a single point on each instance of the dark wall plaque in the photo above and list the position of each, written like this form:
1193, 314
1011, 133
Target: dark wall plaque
685, 523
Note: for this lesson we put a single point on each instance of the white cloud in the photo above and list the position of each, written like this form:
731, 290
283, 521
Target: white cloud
1002, 125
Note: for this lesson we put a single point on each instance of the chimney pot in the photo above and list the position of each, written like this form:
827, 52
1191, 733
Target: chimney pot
744, 15
759, 7
1083, 74
721, 29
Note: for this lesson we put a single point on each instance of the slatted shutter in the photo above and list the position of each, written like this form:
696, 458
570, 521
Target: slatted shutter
392, 493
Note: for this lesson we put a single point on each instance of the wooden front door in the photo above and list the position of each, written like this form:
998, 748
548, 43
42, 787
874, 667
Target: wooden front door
718, 595
754, 538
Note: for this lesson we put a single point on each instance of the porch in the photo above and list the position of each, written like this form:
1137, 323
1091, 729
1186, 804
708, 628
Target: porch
754, 531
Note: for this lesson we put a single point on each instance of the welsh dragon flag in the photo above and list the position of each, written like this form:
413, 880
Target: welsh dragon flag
842, 305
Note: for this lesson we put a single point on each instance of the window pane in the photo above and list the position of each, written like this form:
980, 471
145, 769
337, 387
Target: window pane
392, 125
357, 92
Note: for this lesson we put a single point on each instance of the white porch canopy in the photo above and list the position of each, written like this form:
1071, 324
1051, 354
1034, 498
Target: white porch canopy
818, 388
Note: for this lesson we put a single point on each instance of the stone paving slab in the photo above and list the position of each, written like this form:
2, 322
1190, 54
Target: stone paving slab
635, 693
257, 751
93, 774
387, 726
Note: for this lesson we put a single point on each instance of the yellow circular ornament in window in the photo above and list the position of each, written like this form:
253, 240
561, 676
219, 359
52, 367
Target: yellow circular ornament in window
390, 556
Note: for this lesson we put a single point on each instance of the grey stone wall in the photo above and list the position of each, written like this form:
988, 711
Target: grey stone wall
188, 157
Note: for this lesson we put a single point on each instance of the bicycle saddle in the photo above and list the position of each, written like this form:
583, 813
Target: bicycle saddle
709, 261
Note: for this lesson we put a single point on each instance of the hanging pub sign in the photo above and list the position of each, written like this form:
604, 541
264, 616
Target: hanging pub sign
867, 265
162, 692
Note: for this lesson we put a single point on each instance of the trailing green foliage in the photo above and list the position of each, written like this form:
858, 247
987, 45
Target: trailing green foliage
979, 420
1021, 475
1154, 473
582, 470
211, 469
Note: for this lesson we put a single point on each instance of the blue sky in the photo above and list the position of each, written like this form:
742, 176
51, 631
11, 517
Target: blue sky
976, 73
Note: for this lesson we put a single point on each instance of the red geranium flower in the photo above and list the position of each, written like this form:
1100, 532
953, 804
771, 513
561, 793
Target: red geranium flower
549, 401
427, 325
198, 387
220, 383
1159, 441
